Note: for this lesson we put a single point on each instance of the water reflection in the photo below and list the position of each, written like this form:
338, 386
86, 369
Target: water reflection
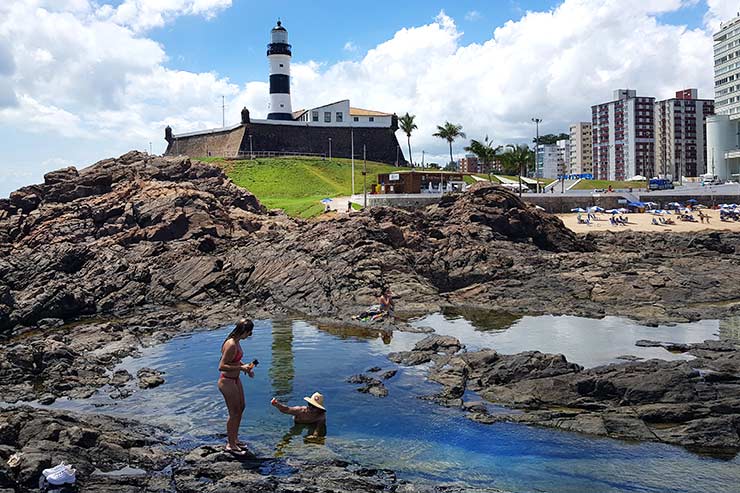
282, 370
588, 342
729, 328
482, 319
314, 434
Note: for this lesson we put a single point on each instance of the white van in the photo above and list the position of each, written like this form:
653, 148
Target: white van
710, 179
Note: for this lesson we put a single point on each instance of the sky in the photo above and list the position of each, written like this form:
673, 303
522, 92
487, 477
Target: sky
84, 80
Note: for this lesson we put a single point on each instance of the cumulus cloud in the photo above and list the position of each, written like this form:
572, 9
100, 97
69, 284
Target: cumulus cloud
547, 64
719, 11
141, 15
79, 69
472, 16
350, 47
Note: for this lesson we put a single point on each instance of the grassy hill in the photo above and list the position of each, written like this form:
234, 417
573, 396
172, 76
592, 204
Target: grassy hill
604, 184
297, 184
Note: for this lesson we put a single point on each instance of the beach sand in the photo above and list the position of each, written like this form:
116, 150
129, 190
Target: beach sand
643, 222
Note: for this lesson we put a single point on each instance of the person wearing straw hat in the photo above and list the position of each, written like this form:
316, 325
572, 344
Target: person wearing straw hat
313, 413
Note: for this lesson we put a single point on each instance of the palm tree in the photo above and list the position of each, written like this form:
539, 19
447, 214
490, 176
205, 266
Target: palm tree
449, 132
516, 159
406, 123
484, 150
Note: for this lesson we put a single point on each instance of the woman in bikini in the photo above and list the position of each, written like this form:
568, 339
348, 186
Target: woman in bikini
229, 384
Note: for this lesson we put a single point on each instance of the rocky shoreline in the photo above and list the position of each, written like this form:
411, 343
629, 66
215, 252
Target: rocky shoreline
96, 264
694, 404
120, 455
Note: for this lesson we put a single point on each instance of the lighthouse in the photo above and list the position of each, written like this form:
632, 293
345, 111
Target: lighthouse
278, 52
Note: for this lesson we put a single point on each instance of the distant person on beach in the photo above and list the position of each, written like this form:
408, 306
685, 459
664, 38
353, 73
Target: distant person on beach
313, 413
231, 366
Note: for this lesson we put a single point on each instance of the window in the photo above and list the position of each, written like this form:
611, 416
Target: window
357, 118
340, 117
314, 116
281, 64
327, 116
372, 119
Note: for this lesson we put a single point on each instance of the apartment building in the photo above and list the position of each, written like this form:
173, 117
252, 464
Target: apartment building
723, 129
623, 135
581, 149
547, 161
681, 135
563, 164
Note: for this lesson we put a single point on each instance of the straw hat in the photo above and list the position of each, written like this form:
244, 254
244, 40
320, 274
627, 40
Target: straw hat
316, 400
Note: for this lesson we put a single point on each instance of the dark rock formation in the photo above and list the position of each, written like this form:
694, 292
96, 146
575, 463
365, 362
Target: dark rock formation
691, 403
139, 231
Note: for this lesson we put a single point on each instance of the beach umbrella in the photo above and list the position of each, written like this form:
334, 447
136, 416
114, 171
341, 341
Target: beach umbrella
326, 200
595, 208
578, 209
611, 211
692, 201
622, 210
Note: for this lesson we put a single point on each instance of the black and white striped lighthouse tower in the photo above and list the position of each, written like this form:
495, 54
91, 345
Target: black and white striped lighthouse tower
278, 52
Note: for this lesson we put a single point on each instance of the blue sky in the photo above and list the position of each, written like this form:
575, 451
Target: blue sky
81, 80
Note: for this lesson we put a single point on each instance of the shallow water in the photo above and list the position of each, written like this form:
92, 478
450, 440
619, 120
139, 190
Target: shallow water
415, 437
588, 342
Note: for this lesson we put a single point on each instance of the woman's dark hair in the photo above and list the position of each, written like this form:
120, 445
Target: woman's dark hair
243, 326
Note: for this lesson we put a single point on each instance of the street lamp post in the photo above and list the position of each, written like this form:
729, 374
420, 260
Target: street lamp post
364, 176
150, 148
536, 150
251, 153
398, 148
329, 148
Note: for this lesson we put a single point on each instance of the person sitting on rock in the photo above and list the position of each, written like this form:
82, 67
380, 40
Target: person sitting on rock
313, 413
386, 302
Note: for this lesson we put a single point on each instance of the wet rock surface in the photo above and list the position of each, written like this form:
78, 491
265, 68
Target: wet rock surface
118, 455
693, 403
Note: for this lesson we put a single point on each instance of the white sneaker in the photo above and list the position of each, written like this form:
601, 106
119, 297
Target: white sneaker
61, 474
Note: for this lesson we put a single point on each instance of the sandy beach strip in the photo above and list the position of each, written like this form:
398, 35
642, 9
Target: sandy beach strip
643, 222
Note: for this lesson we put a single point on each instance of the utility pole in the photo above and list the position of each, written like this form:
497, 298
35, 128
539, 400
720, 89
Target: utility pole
352, 145
364, 175
536, 151
329, 148
223, 112
251, 154
422, 159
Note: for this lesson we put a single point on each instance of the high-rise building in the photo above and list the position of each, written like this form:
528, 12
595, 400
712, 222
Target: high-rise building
680, 134
723, 131
581, 149
623, 136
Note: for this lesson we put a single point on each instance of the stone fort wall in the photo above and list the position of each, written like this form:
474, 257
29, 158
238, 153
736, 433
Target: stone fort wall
381, 143
224, 144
